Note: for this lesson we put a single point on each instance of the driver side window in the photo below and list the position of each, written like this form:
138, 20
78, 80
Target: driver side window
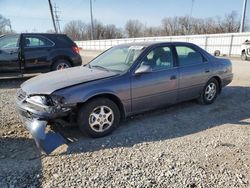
159, 58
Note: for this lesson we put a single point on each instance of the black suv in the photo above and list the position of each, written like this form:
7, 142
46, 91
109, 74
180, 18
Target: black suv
37, 52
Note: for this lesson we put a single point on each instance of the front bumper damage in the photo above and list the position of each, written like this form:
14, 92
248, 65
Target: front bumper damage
45, 141
36, 120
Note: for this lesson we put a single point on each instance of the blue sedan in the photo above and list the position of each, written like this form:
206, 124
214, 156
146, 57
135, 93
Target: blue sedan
124, 80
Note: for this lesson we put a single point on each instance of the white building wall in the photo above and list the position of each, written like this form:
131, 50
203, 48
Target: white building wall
228, 44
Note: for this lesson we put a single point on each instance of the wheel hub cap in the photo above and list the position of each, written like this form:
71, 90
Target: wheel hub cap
101, 118
62, 66
210, 91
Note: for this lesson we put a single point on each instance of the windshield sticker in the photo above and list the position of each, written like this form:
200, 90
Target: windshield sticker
136, 47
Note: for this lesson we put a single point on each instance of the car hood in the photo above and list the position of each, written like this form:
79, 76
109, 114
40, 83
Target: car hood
50, 82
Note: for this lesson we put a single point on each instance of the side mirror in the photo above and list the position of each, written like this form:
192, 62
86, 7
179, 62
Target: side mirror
143, 69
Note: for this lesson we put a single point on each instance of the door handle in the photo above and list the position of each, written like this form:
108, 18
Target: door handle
207, 71
173, 77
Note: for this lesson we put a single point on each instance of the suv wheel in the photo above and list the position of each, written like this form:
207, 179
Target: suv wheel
210, 92
243, 56
98, 117
61, 64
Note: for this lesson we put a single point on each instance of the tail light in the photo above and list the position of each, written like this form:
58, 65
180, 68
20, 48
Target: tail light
76, 49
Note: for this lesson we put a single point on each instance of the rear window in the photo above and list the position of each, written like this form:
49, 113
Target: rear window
37, 41
188, 56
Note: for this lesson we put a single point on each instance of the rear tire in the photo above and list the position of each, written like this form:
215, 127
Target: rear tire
210, 92
61, 64
98, 117
243, 56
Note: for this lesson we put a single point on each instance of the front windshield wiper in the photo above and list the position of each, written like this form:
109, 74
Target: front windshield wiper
89, 66
99, 67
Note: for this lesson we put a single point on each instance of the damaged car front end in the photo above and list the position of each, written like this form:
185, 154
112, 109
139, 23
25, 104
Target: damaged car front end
37, 112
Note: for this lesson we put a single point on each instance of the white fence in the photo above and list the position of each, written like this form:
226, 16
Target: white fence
228, 44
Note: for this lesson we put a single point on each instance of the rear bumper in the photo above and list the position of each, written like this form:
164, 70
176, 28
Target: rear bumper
77, 60
227, 80
36, 122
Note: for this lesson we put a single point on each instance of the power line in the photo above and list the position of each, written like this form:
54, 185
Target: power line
57, 17
52, 16
190, 17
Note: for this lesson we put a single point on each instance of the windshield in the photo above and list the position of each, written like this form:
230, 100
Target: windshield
9, 41
118, 58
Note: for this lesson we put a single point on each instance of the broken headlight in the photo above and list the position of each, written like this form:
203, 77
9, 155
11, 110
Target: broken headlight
45, 100
56, 100
38, 100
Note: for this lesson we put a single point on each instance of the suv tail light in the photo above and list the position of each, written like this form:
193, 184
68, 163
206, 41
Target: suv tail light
76, 49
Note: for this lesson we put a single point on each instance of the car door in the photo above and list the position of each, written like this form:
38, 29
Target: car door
36, 49
194, 71
9, 54
158, 87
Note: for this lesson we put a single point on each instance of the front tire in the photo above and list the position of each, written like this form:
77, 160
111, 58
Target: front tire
243, 56
210, 92
99, 117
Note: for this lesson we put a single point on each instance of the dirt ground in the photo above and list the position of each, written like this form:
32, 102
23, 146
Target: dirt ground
185, 145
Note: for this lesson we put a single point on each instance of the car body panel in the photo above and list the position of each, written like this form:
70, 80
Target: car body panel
10, 57
116, 85
37, 59
192, 79
60, 79
9, 60
155, 86
132, 92
245, 47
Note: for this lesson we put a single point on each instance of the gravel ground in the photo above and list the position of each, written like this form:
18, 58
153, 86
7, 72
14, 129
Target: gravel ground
186, 145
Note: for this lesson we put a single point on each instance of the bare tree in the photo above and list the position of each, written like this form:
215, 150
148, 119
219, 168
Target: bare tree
99, 30
133, 28
5, 25
184, 25
171, 26
153, 31
112, 32
76, 30
231, 23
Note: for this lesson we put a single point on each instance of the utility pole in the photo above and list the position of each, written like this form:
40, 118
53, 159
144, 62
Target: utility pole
52, 15
57, 18
243, 16
190, 17
92, 22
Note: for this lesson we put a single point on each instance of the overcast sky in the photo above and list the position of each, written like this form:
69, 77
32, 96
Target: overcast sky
34, 15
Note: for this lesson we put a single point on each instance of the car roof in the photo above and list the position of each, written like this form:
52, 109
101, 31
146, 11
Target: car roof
155, 43
42, 34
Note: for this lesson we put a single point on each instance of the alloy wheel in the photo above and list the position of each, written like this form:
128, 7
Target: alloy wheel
210, 91
101, 118
62, 66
